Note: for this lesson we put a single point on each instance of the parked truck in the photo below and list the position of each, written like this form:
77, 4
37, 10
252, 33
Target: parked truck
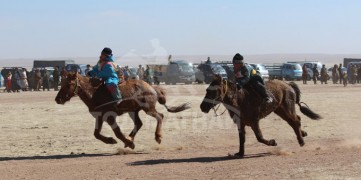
178, 71
52, 63
286, 71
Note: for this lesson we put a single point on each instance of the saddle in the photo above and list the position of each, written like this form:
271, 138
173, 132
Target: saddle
101, 95
102, 98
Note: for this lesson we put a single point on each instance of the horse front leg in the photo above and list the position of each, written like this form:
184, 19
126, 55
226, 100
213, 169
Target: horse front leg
257, 131
113, 124
242, 136
97, 130
137, 124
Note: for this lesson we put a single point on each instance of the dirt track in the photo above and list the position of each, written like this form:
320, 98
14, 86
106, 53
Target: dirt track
43, 140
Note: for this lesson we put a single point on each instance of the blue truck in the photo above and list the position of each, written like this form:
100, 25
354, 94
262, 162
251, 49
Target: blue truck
286, 71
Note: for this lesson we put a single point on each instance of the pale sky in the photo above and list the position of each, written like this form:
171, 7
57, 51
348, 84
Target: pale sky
81, 28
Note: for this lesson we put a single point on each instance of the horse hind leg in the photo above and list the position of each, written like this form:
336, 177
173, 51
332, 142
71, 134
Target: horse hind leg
158, 131
257, 131
295, 122
137, 124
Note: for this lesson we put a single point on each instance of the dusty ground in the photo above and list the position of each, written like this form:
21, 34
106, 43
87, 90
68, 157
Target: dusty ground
43, 140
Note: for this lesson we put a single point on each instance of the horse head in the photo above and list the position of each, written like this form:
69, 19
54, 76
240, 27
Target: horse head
69, 88
213, 95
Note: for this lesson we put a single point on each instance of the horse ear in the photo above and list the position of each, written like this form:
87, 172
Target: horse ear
217, 77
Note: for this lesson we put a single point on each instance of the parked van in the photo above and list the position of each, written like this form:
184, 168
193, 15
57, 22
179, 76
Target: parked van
287, 71
309, 65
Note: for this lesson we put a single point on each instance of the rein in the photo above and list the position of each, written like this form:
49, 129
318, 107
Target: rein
223, 94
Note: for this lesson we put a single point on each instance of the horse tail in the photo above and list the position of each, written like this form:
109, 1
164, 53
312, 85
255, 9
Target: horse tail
304, 109
162, 100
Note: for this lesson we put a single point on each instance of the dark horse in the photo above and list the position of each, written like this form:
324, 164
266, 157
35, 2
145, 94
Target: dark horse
137, 95
246, 107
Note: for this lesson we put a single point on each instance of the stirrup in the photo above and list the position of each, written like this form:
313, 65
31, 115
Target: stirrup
119, 101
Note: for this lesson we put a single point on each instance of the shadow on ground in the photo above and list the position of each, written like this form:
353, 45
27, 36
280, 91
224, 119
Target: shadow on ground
196, 159
52, 157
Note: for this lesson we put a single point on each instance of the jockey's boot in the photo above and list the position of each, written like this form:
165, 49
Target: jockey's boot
263, 92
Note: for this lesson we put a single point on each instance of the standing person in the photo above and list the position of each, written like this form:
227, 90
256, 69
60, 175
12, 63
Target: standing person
140, 72
46, 83
16, 81
88, 68
358, 74
335, 75
120, 74
353, 73
105, 69
1, 80
304, 74
340, 73
344, 77
147, 75
63, 74
56, 77
8, 82
31, 80
126, 73
23, 80
244, 76
315, 74
208, 60
323, 74
37, 80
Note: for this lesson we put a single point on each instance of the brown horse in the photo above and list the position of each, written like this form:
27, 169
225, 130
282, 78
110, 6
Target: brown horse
246, 107
137, 95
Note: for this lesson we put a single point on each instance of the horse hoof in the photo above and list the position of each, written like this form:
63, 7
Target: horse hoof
130, 145
158, 139
272, 142
302, 144
304, 133
111, 141
236, 156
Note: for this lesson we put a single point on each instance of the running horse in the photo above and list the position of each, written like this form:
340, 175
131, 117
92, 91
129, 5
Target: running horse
246, 107
137, 95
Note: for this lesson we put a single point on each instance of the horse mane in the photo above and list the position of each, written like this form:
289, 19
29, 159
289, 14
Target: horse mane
233, 88
85, 84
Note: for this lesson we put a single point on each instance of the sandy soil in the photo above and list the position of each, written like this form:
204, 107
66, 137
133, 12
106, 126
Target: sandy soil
43, 140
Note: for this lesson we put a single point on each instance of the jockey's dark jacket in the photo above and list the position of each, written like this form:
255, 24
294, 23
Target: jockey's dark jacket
243, 74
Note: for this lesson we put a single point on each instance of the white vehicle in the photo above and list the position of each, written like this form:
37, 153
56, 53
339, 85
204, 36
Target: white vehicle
261, 69
133, 73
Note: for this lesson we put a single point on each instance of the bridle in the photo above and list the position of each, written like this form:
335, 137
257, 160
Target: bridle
77, 85
224, 90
